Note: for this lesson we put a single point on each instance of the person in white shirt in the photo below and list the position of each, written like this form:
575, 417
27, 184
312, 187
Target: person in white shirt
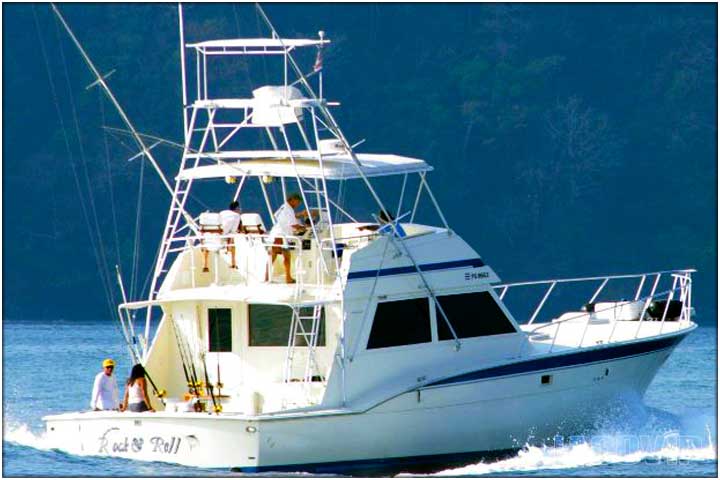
230, 220
286, 225
105, 394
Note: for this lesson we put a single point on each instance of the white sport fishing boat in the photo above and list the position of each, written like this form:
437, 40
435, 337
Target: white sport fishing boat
395, 347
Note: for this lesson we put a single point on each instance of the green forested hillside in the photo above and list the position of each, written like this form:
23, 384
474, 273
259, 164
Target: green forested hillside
568, 139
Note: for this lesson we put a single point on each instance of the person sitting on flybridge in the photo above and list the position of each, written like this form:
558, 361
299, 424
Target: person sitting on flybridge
105, 394
210, 231
230, 219
286, 225
386, 225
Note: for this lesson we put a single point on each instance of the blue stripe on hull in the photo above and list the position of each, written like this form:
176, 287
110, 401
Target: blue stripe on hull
567, 360
428, 267
389, 466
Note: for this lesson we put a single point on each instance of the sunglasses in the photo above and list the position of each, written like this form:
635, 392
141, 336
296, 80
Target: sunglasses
110, 367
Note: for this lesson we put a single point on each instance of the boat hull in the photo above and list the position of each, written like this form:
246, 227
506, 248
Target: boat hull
446, 422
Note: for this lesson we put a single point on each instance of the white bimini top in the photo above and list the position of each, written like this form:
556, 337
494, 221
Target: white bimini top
303, 163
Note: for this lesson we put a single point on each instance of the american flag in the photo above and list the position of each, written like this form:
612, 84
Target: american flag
318, 60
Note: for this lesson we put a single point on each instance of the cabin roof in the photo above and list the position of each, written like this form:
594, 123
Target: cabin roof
278, 163
257, 43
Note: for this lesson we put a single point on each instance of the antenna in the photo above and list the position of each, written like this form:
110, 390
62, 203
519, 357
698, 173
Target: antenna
182, 66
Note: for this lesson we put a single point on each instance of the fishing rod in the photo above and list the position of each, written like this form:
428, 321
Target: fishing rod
219, 383
216, 408
182, 356
131, 334
193, 374
183, 345
159, 392
217, 360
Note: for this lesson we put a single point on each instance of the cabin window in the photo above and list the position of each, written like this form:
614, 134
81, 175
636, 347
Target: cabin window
403, 322
270, 326
474, 314
219, 330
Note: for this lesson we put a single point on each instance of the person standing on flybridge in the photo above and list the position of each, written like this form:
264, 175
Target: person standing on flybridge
286, 225
105, 394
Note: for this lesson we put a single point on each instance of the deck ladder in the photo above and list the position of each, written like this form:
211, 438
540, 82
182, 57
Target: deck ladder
304, 333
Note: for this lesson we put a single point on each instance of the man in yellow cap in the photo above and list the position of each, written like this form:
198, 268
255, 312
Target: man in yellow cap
105, 394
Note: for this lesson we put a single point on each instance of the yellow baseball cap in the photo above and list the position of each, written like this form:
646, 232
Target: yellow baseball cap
108, 362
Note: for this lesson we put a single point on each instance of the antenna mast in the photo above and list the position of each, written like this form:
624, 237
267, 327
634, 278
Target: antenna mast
182, 65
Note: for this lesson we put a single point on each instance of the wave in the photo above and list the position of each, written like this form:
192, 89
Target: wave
663, 438
580, 456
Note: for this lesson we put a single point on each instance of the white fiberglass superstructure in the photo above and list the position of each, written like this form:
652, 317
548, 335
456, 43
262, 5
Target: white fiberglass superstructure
396, 344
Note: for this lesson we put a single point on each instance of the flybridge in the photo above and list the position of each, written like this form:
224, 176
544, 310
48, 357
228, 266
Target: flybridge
308, 149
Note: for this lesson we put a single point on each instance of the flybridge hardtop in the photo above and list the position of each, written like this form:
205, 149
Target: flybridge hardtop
250, 46
343, 326
302, 163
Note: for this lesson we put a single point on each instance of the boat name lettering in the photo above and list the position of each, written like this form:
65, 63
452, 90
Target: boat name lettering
166, 446
104, 441
476, 276
135, 444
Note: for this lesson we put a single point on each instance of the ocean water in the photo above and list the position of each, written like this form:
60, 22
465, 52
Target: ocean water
48, 367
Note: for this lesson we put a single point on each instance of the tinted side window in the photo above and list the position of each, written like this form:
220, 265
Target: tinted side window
403, 322
219, 330
270, 326
471, 315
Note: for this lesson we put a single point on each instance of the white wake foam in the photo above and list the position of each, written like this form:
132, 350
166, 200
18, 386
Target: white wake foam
692, 437
585, 455
21, 434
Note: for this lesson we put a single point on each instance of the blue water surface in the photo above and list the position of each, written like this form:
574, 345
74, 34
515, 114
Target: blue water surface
48, 367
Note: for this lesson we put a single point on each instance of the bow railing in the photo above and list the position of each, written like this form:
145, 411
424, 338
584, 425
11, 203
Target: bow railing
673, 303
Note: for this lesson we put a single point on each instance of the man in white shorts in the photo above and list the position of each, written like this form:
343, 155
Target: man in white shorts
286, 224
230, 220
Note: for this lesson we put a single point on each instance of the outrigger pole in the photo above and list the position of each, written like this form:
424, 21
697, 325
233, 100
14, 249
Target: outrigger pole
160, 393
144, 149
128, 335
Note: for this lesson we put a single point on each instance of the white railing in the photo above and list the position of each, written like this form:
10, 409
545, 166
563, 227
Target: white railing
681, 290
245, 251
